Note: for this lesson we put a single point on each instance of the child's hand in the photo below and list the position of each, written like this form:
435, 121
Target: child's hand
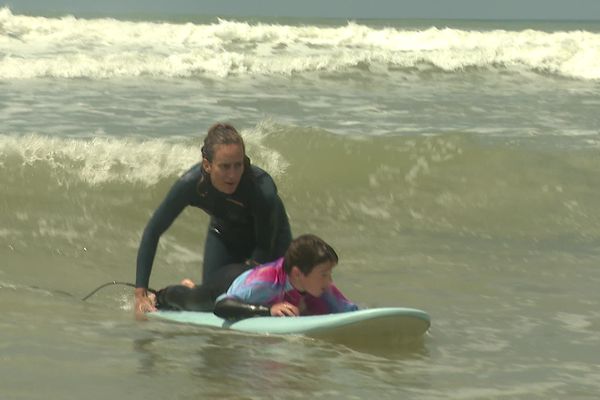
284, 309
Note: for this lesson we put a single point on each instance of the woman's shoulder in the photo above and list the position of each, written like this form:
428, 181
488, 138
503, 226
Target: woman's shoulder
193, 174
263, 183
259, 173
187, 183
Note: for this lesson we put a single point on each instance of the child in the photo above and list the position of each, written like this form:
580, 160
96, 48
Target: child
300, 283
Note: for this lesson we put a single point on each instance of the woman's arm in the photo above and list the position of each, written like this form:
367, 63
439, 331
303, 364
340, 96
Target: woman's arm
175, 201
173, 204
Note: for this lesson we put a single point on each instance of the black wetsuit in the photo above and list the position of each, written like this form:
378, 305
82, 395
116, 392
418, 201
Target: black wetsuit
250, 224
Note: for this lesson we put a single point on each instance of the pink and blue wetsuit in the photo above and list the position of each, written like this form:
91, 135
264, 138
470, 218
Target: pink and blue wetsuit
269, 284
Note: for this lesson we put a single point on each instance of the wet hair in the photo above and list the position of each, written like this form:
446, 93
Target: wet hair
306, 252
220, 133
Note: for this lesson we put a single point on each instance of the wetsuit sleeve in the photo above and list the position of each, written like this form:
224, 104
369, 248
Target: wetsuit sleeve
232, 308
337, 302
175, 201
268, 215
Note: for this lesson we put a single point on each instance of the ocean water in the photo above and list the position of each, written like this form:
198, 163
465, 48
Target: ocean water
452, 164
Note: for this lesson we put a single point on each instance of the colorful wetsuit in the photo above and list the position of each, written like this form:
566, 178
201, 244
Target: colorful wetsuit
269, 284
251, 223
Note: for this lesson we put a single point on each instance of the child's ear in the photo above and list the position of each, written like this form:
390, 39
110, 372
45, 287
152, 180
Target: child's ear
296, 273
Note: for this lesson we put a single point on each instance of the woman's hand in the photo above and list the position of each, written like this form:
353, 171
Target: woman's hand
284, 309
143, 303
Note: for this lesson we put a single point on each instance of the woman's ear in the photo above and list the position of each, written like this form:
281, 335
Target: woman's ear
206, 165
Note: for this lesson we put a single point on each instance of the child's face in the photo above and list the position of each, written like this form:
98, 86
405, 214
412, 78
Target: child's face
318, 280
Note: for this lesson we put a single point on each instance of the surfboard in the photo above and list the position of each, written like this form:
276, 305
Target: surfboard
391, 324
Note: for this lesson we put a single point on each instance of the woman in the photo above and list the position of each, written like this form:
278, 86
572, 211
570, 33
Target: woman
248, 223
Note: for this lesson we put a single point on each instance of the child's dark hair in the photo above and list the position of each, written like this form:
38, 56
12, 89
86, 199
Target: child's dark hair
218, 134
306, 252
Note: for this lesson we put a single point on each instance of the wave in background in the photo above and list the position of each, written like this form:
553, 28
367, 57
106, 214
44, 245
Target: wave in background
68, 47
98, 160
456, 185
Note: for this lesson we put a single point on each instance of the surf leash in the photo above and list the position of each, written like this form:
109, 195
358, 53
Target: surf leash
110, 284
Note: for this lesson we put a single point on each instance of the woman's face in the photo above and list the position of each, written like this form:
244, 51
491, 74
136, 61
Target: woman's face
226, 168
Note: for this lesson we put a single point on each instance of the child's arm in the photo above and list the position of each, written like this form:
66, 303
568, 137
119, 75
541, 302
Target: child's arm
232, 308
338, 302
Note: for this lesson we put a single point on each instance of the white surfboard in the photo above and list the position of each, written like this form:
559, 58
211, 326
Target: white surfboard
389, 324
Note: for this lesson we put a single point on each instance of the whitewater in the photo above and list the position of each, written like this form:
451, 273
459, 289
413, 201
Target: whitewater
68, 47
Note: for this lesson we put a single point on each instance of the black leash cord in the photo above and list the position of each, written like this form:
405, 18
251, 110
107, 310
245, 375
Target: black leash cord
110, 284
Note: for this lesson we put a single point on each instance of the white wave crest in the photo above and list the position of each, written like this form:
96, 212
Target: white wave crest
102, 160
69, 47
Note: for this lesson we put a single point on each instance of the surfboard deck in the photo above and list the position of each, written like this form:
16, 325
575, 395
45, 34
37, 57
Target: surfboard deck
388, 323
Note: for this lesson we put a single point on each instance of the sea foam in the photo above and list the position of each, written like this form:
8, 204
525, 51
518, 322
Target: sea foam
106, 159
70, 47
